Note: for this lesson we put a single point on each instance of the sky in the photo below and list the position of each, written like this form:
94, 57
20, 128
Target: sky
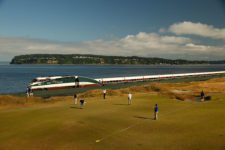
174, 29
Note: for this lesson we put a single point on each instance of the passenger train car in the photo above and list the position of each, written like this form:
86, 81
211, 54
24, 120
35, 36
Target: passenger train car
61, 82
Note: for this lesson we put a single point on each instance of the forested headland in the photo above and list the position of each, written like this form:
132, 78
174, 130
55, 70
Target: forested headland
100, 59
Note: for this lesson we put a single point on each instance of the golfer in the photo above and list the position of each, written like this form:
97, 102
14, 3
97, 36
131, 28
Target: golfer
202, 96
156, 110
75, 98
104, 93
29, 92
129, 98
82, 103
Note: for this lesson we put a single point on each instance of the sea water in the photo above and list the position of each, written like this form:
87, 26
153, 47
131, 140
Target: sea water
15, 78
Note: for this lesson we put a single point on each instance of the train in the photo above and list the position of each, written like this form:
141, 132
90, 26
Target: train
62, 82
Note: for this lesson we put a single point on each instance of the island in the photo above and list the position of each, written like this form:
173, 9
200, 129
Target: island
100, 59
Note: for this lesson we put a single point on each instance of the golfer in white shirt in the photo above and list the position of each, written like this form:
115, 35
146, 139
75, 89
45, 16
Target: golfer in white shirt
129, 98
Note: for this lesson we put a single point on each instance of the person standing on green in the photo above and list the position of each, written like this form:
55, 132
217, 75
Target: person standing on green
129, 98
202, 96
75, 98
104, 93
156, 111
82, 103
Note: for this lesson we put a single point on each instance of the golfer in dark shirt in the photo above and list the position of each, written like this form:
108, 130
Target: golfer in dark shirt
156, 110
81, 103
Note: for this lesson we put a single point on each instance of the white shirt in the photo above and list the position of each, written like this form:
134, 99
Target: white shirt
130, 96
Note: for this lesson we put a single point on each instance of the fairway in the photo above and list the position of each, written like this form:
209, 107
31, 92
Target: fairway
112, 124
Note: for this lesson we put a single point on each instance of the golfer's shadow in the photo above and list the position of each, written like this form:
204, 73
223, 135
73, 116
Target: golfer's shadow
121, 104
75, 107
142, 117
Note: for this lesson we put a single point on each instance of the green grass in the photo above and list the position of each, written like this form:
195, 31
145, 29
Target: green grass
182, 124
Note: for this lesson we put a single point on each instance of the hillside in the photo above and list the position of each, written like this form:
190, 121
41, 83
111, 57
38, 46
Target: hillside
96, 59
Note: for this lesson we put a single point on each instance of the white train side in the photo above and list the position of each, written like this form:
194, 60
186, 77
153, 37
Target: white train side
60, 82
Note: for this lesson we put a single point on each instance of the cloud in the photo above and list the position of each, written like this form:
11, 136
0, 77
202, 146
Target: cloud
200, 48
141, 44
199, 29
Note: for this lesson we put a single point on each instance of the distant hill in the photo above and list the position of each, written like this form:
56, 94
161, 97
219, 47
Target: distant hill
98, 59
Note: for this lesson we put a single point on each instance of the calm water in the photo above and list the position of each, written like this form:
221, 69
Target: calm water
14, 78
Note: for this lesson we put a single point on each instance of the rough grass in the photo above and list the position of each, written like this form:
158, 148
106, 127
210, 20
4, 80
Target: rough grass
56, 123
